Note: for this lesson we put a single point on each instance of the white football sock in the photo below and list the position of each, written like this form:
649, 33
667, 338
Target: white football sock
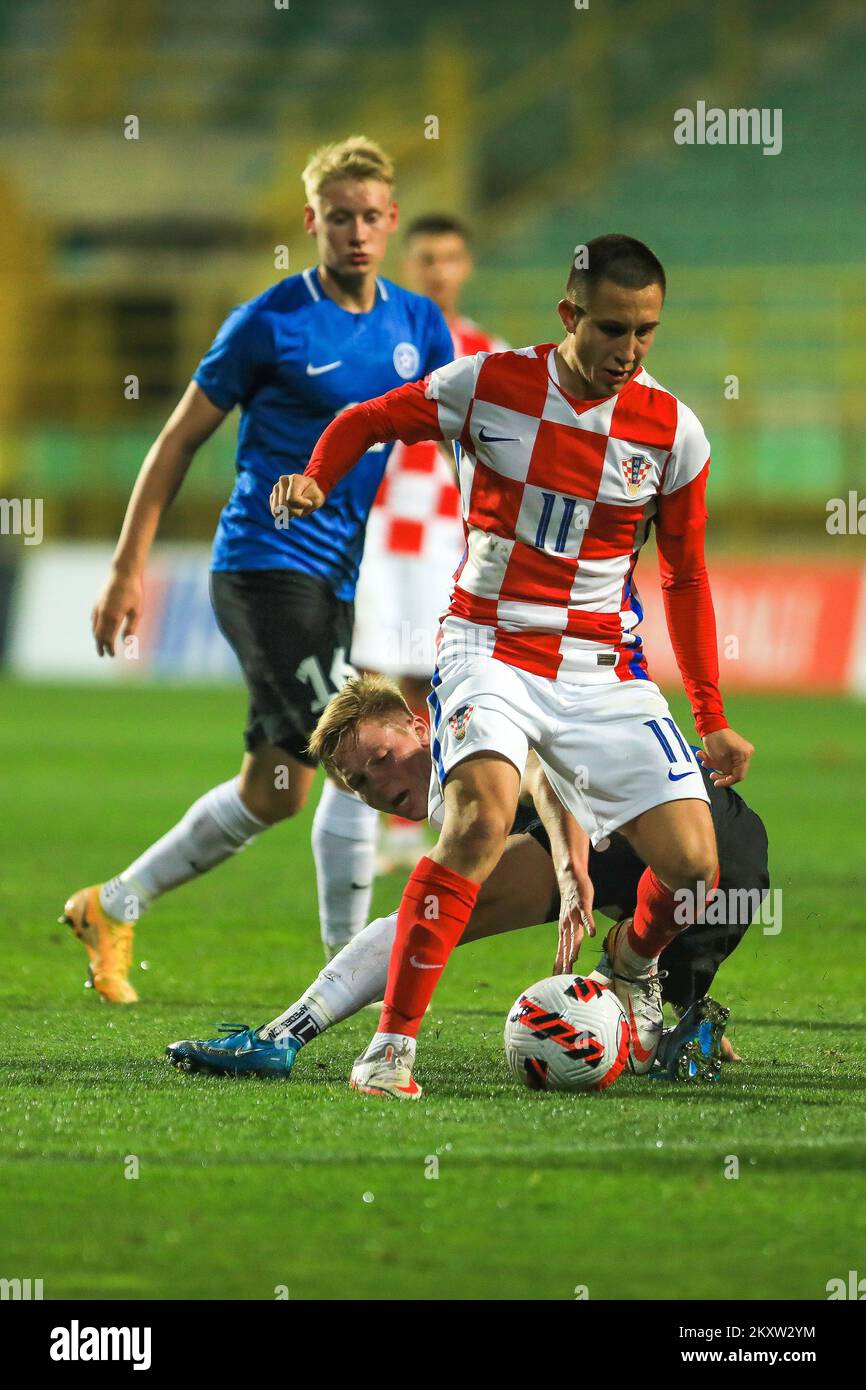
355, 977
345, 832
214, 828
402, 1045
302, 1022
636, 965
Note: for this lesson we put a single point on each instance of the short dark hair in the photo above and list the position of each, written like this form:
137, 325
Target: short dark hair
437, 224
615, 257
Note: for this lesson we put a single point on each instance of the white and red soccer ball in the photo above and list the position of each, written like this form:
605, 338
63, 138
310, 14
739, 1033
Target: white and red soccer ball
567, 1033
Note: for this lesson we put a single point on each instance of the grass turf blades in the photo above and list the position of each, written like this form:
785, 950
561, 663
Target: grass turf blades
246, 1186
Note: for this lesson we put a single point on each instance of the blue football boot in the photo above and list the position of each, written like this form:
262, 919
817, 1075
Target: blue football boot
692, 1051
243, 1052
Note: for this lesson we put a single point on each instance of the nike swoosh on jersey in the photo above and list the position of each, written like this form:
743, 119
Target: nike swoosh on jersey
678, 776
497, 438
419, 965
328, 367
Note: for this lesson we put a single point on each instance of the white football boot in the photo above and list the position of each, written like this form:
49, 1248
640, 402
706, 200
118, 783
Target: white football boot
639, 992
386, 1072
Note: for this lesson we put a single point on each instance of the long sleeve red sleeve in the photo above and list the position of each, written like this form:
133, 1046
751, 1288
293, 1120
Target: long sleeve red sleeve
404, 413
680, 529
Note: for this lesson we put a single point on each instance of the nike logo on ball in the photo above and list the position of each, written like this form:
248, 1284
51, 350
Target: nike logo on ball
419, 965
497, 438
328, 367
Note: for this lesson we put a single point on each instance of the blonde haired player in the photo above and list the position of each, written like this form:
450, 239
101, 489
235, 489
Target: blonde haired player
415, 537
570, 452
291, 359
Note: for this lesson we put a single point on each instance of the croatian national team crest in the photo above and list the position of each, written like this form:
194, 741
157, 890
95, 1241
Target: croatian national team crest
406, 360
635, 470
459, 721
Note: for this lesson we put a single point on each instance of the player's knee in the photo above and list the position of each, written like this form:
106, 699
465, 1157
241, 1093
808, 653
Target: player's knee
490, 825
689, 857
268, 799
690, 865
273, 785
478, 833
269, 808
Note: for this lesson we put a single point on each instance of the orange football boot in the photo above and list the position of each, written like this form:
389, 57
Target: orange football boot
108, 945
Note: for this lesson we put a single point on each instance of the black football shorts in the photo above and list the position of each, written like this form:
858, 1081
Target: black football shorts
292, 637
693, 957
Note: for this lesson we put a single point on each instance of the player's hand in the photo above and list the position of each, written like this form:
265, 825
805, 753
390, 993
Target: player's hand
575, 918
729, 754
119, 602
295, 495
728, 1053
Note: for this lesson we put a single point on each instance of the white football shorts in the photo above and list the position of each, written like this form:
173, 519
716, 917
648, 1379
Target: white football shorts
610, 750
398, 604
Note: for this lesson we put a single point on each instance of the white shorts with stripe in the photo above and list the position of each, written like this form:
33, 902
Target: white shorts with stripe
610, 751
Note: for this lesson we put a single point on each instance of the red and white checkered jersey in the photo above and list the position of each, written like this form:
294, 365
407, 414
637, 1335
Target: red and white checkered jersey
417, 507
557, 497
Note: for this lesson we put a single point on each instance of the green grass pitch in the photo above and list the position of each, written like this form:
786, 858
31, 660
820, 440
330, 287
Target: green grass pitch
247, 1186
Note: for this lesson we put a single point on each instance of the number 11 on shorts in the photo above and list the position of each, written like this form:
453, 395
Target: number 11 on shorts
673, 756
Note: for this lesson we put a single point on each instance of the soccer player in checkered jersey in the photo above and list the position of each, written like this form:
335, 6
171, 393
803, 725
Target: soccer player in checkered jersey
292, 359
415, 535
569, 453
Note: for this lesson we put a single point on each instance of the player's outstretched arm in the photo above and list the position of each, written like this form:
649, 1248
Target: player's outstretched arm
680, 534
120, 601
569, 848
407, 413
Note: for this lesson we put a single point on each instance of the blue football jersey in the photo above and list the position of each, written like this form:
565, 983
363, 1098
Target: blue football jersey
292, 359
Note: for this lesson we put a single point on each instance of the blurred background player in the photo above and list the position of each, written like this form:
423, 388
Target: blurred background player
292, 359
415, 537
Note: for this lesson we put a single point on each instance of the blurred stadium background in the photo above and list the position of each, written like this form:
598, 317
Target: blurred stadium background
121, 256
118, 259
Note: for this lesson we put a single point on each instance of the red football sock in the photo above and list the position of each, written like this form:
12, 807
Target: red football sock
653, 926
433, 914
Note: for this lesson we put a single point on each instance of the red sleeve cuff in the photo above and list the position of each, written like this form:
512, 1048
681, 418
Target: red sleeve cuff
711, 724
405, 414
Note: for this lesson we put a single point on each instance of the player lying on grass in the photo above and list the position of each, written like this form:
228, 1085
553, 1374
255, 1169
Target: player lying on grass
570, 453
369, 739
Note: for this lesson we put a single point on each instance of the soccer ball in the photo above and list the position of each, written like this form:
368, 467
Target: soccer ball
567, 1034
